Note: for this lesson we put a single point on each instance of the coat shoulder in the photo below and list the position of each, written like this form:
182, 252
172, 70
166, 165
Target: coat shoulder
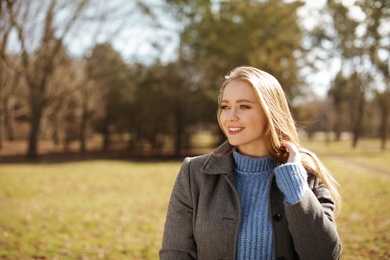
216, 162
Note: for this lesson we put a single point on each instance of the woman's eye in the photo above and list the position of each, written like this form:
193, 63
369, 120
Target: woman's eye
245, 107
223, 107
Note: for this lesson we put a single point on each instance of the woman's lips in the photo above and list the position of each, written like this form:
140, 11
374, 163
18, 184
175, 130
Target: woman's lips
235, 130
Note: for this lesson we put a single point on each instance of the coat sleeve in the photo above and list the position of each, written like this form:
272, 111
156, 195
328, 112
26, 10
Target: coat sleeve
311, 223
178, 239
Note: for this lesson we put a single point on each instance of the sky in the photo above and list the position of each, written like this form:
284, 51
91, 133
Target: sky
141, 37
146, 38
137, 36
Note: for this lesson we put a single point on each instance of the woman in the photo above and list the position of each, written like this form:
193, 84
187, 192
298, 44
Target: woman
260, 195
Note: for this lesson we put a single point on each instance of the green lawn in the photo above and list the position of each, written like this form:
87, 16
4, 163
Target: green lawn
364, 177
116, 209
84, 210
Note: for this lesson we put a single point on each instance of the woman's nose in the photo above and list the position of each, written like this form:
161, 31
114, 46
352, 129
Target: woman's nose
233, 115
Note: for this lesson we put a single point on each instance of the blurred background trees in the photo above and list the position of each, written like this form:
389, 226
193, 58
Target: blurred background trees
358, 36
220, 35
157, 105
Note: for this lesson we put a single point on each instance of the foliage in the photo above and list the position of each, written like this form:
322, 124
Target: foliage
33, 44
218, 36
113, 81
116, 209
42, 50
153, 106
167, 105
360, 44
377, 42
339, 92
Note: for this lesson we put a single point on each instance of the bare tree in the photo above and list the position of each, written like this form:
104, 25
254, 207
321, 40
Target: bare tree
39, 55
376, 41
40, 32
339, 93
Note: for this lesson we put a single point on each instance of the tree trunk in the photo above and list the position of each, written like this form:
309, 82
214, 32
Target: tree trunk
178, 136
337, 123
10, 110
1, 122
179, 127
384, 120
10, 118
384, 123
358, 104
83, 126
37, 104
35, 125
56, 129
358, 120
2, 106
106, 134
327, 115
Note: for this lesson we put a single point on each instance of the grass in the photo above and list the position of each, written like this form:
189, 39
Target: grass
364, 177
116, 209
85, 210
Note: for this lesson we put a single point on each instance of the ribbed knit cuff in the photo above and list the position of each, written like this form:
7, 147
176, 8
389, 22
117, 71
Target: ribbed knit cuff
291, 179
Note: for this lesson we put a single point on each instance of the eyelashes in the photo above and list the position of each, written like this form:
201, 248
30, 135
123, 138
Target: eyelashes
225, 107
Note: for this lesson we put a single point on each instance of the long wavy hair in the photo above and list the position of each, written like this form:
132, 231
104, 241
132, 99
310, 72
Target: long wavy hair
280, 123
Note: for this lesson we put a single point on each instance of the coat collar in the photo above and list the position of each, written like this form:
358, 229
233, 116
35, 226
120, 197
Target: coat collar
220, 161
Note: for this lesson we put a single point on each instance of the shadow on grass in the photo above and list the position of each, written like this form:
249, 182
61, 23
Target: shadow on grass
61, 157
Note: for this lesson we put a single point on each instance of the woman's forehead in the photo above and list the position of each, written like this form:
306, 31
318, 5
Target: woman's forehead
238, 89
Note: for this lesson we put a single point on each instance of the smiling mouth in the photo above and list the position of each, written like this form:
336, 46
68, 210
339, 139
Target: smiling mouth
234, 130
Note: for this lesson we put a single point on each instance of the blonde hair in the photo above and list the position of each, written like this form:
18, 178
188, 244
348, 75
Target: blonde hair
280, 123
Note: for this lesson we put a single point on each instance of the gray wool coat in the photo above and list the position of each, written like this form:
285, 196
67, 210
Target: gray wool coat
204, 215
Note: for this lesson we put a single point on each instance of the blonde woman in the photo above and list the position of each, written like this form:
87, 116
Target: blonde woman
260, 195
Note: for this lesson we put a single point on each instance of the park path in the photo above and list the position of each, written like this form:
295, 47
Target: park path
383, 170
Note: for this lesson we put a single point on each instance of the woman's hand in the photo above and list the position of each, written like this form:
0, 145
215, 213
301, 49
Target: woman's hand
294, 156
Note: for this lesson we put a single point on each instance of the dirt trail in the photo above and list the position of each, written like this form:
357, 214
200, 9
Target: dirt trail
382, 170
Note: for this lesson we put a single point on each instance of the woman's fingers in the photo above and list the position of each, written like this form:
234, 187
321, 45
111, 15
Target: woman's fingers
294, 155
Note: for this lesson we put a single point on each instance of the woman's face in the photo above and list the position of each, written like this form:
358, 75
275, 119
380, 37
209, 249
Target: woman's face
242, 119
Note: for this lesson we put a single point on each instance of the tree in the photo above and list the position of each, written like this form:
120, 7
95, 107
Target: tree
10, 83
10, 95
62, 100
308, 114
376, 41
149, 117
192, 106
335, 38
339, 92
110, 75
41, 32
39, 56
167, 107
217, 36
358, 43
88, 98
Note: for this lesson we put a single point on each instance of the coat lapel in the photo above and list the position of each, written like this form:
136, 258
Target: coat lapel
220, 161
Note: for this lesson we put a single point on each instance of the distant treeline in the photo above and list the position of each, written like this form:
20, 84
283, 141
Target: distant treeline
64, 98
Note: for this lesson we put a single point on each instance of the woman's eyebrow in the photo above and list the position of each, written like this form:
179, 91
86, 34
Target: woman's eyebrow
244, 101
239, 101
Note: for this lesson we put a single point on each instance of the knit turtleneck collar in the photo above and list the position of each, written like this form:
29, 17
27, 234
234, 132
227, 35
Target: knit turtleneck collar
249, 164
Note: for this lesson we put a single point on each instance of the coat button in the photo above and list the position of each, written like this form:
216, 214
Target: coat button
277, 217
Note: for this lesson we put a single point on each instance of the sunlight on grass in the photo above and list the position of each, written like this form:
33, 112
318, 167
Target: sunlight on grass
363, 225
88, 210
116, 209
364, 177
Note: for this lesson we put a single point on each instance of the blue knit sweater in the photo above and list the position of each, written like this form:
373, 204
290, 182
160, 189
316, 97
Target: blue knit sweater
253, 176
